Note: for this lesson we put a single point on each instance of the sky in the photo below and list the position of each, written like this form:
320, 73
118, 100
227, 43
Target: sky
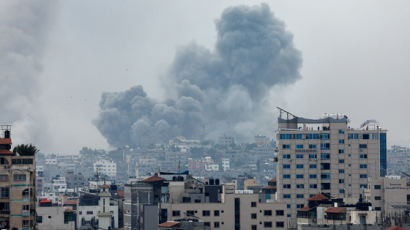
356, 57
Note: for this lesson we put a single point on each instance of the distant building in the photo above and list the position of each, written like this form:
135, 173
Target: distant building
226, 165
261, 140
226, 140
106, 167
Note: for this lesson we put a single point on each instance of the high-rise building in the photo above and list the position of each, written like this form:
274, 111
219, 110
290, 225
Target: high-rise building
326, 156
17, 185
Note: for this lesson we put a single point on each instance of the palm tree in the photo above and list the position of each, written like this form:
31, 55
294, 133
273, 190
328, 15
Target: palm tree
25, 150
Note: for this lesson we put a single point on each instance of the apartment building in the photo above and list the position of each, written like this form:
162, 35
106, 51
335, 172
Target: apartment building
17, 185
326, 156
106, 167
176, 198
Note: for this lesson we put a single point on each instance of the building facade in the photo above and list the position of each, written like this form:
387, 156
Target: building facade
326, 156
17, 186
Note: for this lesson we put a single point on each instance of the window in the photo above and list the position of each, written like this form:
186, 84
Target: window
253, 215
299, 166
325, 156
365, 136
3, 161
378, 208
299, 156
324, 146
216, 224
267, 212
288, 206
377, 186
341, 131
19, 177
363, 156
353, 136
4, 192
286, 186
286, 156
341, 151
176, 213
341, 141
325, 176
312, 146
363, 146
253, 227
253, 204
363, 166
325, 136
299, 196
299, 146
216, 213
286, 196
280, 224
341, 181
27, 192
300, 186
4, 178
267, 224
341, 161
312, 156
341, 171
89, 212
313, 186
280, 213
299, 176
363, 185
300, 205
312, 176
286, 176
285, 146
22, 161
377, 198
313, 136
39, 219
286, 166
206, 213
312, 166
207, 224
342, 191
363, 176
25, 223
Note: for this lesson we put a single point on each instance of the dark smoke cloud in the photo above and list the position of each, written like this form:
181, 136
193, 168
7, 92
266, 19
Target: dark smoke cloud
23, 29
210, 92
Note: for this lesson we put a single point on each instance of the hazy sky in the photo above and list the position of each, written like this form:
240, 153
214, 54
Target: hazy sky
356, 60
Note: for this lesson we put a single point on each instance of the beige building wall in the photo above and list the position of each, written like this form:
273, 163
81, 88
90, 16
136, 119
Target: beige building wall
350, 166
253, 215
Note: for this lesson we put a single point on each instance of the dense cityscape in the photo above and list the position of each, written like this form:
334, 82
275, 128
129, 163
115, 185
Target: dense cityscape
203, 115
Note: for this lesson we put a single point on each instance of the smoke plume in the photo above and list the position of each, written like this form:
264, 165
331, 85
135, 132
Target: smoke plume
210, 92
23, 29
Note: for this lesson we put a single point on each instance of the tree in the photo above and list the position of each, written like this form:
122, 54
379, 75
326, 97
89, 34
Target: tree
25, 150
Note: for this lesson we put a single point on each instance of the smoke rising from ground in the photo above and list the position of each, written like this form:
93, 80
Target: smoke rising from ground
210, 92
23, 29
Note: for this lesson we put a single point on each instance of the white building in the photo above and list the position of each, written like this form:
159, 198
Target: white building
51, 161
106, 167
226, 165
59, 185
211, 167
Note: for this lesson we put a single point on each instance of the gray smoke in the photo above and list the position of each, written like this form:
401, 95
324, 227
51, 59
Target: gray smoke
210, 92
23, 29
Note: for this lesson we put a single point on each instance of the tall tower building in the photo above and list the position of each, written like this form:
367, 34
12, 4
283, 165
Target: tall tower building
17, 185
104, 214
326, 156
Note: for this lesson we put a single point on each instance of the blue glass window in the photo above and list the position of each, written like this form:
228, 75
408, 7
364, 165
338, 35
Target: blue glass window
286, 166
363, 156
341, 131
325, 176
341, 191
363, 186
299, 156
341, 141
300, 196
299, 146
363, 146
286, 196
325, 136
313, 186
353, 136
312, 176
363, 176
299, 166
286, 186
363, 166
288, 206
341, 171
312, 166
341, 161
383, 154
286, 146
300, 186
286, 156
341, 181
311, 146
286, 176
341, 151
299, 176
324, 146
312, 156
324, 156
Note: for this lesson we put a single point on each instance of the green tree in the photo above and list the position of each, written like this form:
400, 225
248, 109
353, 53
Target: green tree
25, 150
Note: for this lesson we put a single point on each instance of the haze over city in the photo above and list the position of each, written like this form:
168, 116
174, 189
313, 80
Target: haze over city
59, 57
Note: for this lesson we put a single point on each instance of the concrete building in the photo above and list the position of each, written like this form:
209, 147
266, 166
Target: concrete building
17, 185
326, 156
106, 167
169, 199
389, 195
55, 217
